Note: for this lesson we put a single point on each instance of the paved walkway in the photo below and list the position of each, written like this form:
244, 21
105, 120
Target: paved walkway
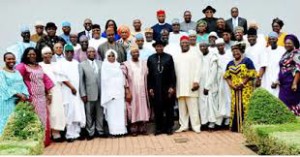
186, 143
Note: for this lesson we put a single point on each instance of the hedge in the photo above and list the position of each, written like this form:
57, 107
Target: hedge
23, 134
271, 126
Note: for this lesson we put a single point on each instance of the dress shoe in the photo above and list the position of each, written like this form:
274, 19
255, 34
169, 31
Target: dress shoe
90, 138
180, 130
71, 140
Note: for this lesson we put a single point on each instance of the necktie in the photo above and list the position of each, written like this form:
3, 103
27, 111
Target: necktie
94, 67
88, 34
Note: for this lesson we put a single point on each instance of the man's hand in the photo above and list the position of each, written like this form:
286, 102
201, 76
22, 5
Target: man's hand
205, 92
73, 91
195, 86
171, 91
84, 99
151, 92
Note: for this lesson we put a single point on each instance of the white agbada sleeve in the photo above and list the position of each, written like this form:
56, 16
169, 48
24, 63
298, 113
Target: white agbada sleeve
213, 71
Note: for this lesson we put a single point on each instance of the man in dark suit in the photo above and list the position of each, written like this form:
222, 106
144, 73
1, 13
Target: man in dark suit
87, 24
235, 20
89, 89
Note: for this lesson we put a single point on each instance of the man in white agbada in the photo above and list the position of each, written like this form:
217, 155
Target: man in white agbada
274, 54
57, 112
113, 95
212, 37
194, 46
149, 39
224, 90
175, 35
18, 48
97, 40
74, 107
257, 53
170, 48
208, 99
187, 86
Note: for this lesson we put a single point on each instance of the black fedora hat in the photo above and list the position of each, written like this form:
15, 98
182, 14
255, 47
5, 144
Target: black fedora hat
159, 42
209, 8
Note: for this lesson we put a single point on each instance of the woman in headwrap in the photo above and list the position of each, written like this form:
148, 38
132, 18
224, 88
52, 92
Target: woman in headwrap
289, 74
126, 38
39, 86
201, 29
113, 95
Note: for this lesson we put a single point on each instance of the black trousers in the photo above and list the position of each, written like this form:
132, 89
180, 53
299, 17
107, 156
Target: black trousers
164, 113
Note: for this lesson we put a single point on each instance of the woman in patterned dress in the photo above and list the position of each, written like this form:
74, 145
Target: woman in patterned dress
12, 89
39, 86
239, 75
289, 74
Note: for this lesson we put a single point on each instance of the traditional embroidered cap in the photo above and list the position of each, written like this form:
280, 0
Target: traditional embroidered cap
273, 35
184, 37
68, 47
175, 21
66, 24
24, 28
160, 12
220, 41
38, 23
213, 34
192, 32
148, 30
134, 47
139, 36
46, 49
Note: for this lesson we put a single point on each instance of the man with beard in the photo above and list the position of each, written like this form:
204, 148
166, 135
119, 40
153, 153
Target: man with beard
161, 17
112, 44
39, 29
66, 28
187, 24
50, 39
208, 99
161, 85
87, 24
18, 48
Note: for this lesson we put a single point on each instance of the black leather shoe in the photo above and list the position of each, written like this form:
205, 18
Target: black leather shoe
169, 131
59, 140
81, 138
90, 138
71, 140
158, 132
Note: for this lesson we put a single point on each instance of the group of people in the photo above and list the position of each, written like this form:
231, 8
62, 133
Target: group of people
94, 84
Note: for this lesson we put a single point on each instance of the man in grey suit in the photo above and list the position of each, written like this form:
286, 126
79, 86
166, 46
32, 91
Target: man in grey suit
235, 20
112, 44
89, 89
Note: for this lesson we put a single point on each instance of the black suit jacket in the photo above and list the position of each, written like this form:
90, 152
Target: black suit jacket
242, 23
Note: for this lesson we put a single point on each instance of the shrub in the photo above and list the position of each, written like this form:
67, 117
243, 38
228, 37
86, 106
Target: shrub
23, 133
264, 108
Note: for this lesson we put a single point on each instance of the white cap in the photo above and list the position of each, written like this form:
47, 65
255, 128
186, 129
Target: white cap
192, 32
220, 41
213, 34
46, 49
38, 23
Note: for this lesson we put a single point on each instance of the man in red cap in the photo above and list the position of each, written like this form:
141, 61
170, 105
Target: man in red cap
187, 86
161, 17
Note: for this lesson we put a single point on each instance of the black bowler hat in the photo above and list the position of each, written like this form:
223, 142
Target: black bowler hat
50, 25
159, 42
209, 8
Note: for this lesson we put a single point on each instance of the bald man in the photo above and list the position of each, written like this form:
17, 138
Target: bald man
87, 24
